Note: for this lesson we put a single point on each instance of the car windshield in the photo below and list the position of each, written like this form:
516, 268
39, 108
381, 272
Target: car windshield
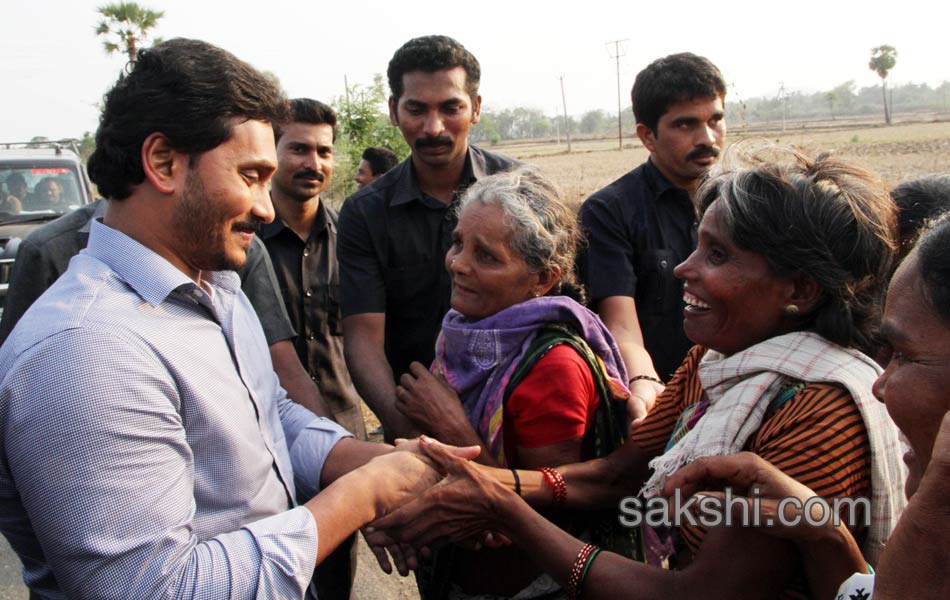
37, 189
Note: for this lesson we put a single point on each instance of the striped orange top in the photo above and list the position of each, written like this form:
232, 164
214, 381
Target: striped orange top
817, 437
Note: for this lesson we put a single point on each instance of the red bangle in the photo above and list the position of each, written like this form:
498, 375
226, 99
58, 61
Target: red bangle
578, 570
557, 483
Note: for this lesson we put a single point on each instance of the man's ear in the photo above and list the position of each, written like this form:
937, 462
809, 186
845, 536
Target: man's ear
393, 113
163, 165
806, 293
476, 109
647, 137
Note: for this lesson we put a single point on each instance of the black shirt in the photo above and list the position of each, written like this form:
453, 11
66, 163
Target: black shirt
309, 280
638, 229
393, 240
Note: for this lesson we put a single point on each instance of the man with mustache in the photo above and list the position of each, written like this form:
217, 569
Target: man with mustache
394, 234
148, 449
642, 225
301, 241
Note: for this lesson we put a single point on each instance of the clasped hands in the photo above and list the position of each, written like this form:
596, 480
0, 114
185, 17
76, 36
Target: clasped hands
460, 508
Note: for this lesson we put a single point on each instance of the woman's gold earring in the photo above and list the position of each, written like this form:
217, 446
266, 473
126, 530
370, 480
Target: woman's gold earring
791, 310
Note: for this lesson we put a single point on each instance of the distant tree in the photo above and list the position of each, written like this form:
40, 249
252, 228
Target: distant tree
363, 121
594, 121
126, 26
883, 59
486, 130
943, 94
830, 97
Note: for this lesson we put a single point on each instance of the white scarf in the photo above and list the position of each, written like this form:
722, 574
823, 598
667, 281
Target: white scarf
740, 388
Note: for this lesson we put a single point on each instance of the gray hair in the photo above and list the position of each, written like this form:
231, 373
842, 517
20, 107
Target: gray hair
544, 231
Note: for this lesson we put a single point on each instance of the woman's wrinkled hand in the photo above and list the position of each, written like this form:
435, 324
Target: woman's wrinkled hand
429, 402
459, 509
399, 477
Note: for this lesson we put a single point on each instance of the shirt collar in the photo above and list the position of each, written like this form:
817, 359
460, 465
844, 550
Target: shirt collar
151, 276
407, 188
320, 222
658, 180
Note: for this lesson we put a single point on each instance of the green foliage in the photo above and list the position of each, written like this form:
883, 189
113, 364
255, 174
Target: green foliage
883, 59
126, 26
849, 100
516, 124
363, 121
597, 121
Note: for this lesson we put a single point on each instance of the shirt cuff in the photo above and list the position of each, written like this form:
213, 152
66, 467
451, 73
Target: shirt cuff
310, 451
287, 543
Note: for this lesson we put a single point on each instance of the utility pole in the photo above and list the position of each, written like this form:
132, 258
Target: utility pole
617, 53
784, 98
567, 124
346, 88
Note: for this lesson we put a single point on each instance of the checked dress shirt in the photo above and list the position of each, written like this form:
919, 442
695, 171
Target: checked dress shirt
147, 449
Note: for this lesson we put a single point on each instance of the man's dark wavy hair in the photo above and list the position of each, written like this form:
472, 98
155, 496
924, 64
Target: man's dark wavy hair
309, 111
429, 54
671, 79
189, 90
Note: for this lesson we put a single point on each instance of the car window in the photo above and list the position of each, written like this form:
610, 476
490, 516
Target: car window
39, 188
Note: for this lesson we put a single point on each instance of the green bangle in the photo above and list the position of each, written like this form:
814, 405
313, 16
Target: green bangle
590, 561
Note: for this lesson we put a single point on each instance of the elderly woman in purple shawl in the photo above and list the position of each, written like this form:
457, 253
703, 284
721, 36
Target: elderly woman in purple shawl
521, 369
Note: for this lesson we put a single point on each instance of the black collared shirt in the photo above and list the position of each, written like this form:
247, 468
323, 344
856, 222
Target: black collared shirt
308, 276
638, 229
393, 240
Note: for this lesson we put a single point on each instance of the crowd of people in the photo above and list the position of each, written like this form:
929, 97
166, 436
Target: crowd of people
183, 361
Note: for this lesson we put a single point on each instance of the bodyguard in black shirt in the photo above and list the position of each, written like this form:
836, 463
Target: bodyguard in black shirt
394, 233
642, 225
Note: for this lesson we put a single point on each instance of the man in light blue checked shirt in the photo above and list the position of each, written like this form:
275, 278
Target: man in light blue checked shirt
147, 449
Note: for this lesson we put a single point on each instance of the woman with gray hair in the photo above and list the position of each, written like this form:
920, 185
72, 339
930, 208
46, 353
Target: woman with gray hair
521, 369
782, 297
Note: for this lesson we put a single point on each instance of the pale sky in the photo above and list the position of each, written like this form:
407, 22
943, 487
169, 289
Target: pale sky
54, 70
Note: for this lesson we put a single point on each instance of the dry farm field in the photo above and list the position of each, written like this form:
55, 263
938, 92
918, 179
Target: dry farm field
903, 151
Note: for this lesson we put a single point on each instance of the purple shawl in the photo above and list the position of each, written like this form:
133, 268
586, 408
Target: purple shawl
478, 358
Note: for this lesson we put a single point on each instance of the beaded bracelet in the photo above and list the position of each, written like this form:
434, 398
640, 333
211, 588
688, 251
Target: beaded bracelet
557, 483
647, 377
579, 571
514, 473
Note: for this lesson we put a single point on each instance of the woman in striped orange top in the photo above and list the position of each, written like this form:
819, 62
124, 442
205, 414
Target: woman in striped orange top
782, 297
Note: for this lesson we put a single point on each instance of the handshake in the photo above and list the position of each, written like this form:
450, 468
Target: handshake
427, 493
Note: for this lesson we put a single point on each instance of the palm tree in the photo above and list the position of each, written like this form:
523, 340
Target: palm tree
883, 59
126, 25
